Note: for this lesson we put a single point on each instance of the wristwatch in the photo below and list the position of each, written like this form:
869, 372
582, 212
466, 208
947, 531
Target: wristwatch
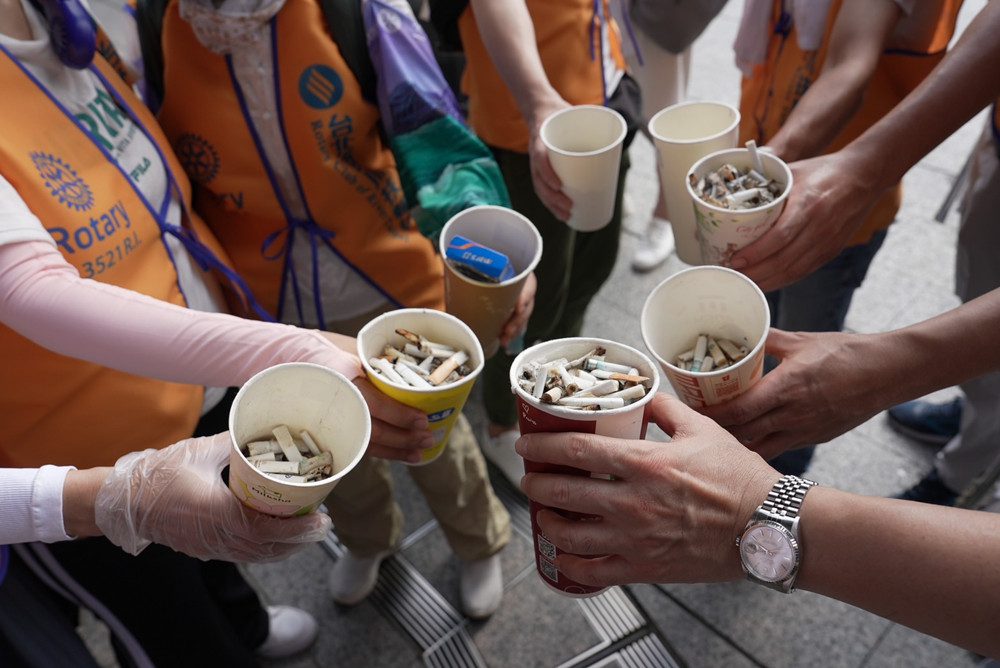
770, 549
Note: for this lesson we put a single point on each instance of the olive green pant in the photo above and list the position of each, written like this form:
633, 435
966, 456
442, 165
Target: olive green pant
573, 268
368, 520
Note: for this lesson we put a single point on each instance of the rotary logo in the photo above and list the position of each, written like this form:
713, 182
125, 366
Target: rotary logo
199, 158
320, 87
63, 181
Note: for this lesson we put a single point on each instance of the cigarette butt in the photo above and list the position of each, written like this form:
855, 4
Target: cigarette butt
297, 478
732, 351
416, 368
387, 370
564, 375
411, 377
262, 447
593, 364
629, 393
426, 363
415, 351
742, 197
266, 457
441, 353
287, 444
686, 356
621, 377
451, 364
701, 347
715, 351
396, 355
310, 443
539, 389
279, 467
707, 363
602, 388
410, 336
758, 164
600, 402
553, 395
323, 461
579, 361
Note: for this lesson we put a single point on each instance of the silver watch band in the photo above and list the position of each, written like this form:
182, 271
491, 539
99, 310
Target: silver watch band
786, 497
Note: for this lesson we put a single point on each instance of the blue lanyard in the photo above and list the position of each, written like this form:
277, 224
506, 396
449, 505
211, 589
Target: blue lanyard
204, 257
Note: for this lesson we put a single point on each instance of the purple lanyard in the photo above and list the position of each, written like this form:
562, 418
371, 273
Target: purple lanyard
4, 562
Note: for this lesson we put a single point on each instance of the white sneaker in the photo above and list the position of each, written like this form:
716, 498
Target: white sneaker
290, 630
480, 586
655, 247
354, 577
500, 451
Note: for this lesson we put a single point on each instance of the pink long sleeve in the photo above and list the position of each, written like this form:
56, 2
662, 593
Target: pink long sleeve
43, 298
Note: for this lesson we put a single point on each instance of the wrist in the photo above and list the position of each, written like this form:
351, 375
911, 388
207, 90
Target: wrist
79, 497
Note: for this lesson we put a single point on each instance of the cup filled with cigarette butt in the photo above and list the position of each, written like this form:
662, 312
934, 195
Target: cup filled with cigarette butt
738, 194
583, 385
707, 327
426, 359
297, 430
489, 252
584, 144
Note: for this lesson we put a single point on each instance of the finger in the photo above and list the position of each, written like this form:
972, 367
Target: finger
580, 494
673, 416
776, 239
763, 397
305, 529
779, 343
598, 571
582, 537
776, 271
542, 166
600, 454
757, 429
389, 410
391, 436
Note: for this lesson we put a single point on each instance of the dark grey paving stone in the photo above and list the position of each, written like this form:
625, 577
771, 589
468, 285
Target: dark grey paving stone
905, 648
433, 559
803, 629
691, 640
534, 627
357, 636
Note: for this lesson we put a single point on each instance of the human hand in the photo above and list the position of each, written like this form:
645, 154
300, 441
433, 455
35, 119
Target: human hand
829, 202
547, 184
672, 512
826, 384
176, 497
518, 320
398, 431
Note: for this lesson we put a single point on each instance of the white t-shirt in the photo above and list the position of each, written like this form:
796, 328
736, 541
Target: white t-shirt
84, 95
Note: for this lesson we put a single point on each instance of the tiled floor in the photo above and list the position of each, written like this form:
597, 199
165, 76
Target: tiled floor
705, 625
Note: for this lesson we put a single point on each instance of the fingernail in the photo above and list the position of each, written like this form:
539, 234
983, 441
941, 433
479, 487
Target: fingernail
421, 423
520, 446
521, 484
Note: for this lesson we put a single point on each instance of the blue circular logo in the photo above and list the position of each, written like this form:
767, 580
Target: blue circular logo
199, 158
63, 182
320, 87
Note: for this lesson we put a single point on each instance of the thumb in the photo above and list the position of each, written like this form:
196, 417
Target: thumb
308, 528
779, 343
673, 416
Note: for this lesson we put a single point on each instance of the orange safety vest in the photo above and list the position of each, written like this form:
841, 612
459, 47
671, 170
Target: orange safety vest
59, 410
916, 46
346, 175
568, 36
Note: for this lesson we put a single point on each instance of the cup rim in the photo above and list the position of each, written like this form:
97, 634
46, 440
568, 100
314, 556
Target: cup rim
396, 313
779, 200
714, 372
442, 247
343, 381
729, 128
561, 411
583, 154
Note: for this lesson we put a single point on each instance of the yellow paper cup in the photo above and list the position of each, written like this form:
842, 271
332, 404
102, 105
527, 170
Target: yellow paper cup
442, 404
300, 396
707, 300
722, 232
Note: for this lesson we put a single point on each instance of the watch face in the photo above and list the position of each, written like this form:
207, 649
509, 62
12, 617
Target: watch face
768, 552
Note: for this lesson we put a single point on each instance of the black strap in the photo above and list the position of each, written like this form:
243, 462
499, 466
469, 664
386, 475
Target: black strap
444, 18
149, 19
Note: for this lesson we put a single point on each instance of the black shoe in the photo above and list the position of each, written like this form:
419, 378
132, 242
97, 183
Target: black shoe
927, 422
930, 489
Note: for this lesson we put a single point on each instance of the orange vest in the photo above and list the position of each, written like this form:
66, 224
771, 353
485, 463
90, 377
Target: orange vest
917, 45
568, 36
59, 410
346, 175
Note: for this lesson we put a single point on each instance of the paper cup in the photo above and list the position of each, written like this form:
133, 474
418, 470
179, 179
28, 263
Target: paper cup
585, 148
683, 134
534, 416
442, 404
300, 396
485, 307
707, 300
722, 232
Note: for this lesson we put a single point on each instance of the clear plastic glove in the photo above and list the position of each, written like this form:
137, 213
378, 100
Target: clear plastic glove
176, 497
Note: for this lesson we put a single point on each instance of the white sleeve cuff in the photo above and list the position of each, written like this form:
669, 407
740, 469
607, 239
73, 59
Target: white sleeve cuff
47, 504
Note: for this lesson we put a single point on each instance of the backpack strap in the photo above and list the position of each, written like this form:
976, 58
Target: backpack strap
149, 21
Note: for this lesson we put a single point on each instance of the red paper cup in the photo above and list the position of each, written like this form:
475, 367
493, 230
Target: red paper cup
534, 417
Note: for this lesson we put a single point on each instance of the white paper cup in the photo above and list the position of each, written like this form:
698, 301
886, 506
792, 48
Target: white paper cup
442, 404
683, 134
722, 232
534, 416
585, 148
485, 307
300, 396
707, 300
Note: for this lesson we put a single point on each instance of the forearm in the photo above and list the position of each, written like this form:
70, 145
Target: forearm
931, 568
79, 494
509, 35
950, 95
34, 504
45, 300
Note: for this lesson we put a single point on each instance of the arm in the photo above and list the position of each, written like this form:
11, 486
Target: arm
829, 383
833, 194
509, 36
43, 298
856, 44
673, 512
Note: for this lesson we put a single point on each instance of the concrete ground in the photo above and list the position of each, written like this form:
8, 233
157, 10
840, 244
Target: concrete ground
411, 619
